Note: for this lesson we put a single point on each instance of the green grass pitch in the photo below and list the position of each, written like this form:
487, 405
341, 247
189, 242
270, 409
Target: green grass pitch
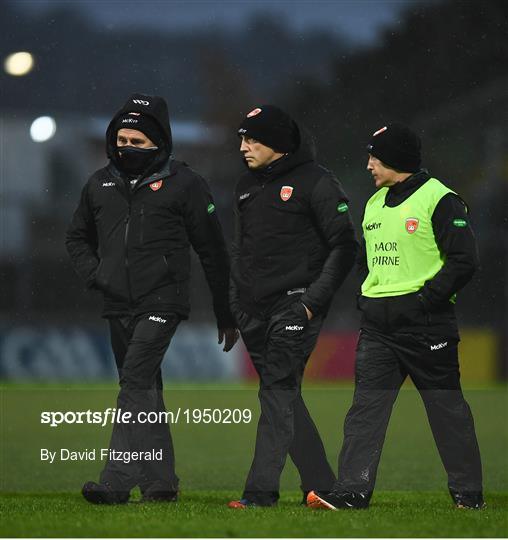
38, 499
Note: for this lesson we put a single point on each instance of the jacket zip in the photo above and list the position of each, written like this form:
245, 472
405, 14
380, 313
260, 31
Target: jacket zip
141, 235
127, 221
255, 256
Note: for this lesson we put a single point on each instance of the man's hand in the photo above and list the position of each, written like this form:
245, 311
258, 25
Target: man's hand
229, 336
308, 311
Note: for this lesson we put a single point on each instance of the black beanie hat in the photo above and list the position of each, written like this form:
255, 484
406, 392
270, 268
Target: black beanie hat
272, 127
396, 146
142, 122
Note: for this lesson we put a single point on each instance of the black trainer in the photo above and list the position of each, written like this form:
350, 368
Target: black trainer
335, 500
468, 499
159, 496
103, 494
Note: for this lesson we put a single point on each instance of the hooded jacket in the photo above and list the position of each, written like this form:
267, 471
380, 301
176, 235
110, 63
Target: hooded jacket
293, 230
133, 243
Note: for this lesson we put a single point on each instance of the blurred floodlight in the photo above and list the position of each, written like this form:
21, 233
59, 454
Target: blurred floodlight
42, 128
19, 63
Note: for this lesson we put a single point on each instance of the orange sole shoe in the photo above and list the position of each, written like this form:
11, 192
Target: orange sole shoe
315, 502
239, 505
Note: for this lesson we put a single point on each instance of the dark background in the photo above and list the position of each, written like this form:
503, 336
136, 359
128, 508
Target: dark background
343, 69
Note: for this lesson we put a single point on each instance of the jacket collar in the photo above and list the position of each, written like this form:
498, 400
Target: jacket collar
168, 169
410, 183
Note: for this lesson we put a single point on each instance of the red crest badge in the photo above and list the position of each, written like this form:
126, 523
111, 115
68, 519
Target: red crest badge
286, 192
154, 186
412, 225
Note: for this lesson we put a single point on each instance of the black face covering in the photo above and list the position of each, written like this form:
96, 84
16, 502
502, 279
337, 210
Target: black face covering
134, 160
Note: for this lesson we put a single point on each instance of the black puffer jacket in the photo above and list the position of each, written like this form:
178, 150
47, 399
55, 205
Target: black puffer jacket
293, 229
133, 243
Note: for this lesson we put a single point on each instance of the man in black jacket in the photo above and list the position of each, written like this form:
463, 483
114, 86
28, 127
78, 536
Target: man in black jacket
418, 251
130, 239
294, 245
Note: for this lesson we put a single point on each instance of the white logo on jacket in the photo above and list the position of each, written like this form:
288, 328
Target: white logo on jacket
294, 327
438, 346
156, 319
108, 184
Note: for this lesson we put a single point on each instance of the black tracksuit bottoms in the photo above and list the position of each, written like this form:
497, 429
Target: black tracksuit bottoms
279, 347
383, 361
139, 344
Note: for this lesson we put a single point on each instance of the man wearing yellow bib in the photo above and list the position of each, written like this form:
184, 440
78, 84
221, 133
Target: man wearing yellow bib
418, 251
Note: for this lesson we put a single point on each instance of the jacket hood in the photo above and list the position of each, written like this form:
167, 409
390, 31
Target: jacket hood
153, 106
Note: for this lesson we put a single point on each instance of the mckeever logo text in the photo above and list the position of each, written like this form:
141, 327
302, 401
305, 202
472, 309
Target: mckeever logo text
156, 319
438, 346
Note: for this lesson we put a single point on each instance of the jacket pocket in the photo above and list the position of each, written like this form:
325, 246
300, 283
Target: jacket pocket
110, 280
407, 311
177, 265
374, 311
99, 280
